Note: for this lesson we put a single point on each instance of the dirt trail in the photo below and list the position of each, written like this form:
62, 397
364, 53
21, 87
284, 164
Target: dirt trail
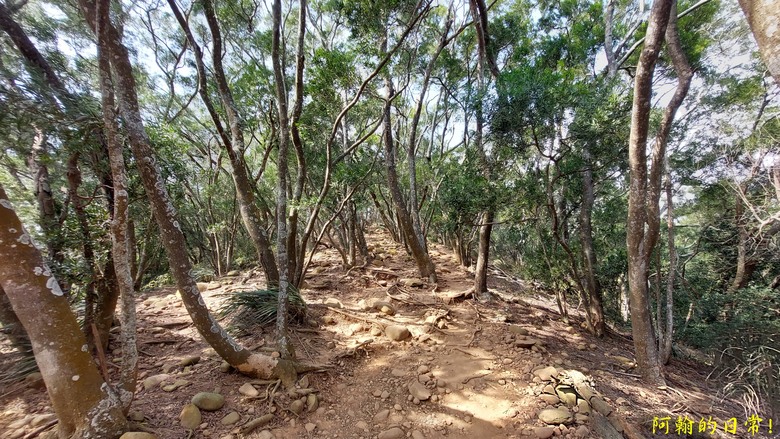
477, 369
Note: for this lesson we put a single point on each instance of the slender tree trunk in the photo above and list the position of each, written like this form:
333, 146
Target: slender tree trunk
120, 244
248, 363
638, 243
414, 210
479, 14
295, 252
419, 253
665, 347
107, 299
74, 182
57, 341
47, 205
592, 284
609, 18
233, 145
282, 336
745, 264
424, 263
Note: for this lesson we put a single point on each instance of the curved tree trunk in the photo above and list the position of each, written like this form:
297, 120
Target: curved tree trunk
233, 145
424, 263
57, 341
248, 363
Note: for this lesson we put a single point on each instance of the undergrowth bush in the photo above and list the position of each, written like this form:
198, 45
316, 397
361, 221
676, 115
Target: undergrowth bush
244, 310
742, 330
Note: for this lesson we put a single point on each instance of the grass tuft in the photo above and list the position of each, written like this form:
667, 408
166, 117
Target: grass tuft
244, 310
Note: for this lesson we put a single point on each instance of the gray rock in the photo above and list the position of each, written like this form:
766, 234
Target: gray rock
519, 330
155, 380
137, 435
230, 419
417, 434
381, 416
549, 399
398, 372
582, 432
567, 395
176, 385
397, 332
247, 389
393, 433
546, 373
583, 407
208, 401
419, 391
135, 416
543, 432
312, 402
297, 406
310, 426
555, 416
190, 417
526, 343
266, 434
189, 361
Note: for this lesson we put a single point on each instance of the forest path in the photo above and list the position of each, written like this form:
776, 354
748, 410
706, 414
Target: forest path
485, 368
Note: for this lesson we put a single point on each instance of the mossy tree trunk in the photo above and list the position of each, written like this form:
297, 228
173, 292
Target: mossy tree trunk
85, 406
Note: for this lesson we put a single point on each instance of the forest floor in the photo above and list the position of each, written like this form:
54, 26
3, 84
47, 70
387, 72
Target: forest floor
476, 369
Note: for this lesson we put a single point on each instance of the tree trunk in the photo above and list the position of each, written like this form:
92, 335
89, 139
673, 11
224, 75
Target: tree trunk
234, 145
282, 336
636, 241
480, 273
57, 341
763, 16
592, 284
12, 327
47, 205
414, 210
120, 244
248, 363
419, 253
666, 341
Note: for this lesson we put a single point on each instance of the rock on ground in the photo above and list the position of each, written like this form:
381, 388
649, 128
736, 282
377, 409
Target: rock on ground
208, 401
397, 332
190, 417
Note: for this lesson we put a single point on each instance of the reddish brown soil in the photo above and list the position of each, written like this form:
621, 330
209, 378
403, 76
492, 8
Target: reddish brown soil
488, 388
